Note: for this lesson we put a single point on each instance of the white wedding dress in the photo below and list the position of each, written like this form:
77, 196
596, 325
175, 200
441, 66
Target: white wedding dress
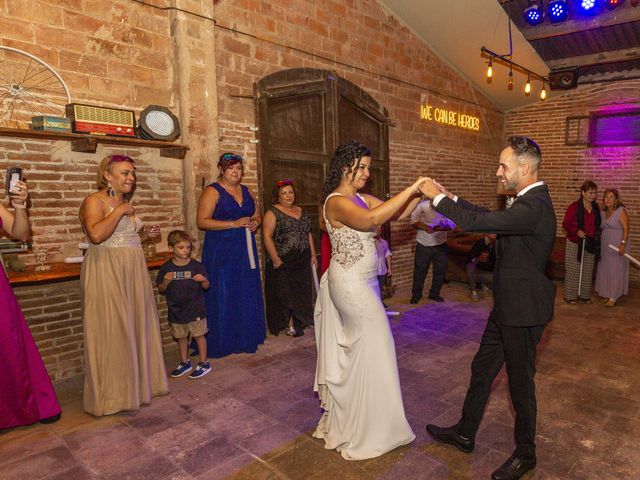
356, 373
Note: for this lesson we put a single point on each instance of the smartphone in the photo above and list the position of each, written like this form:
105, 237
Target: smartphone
14, 174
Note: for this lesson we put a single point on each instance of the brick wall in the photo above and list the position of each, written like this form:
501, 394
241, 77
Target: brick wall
566, 167
366, 45
112, 53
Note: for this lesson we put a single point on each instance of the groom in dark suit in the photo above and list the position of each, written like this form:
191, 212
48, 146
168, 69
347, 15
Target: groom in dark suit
523, 300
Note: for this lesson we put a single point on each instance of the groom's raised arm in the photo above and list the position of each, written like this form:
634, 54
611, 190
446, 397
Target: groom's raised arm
520, 219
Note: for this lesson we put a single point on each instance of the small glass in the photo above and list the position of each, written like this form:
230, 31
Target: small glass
41, 257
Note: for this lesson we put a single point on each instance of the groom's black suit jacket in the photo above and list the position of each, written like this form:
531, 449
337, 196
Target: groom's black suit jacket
523, 295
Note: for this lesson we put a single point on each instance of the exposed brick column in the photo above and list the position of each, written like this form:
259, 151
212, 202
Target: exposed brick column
195, 90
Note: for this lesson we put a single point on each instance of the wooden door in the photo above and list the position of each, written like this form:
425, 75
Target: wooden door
303, 115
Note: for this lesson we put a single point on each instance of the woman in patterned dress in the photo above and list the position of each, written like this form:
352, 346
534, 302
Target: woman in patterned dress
291, 253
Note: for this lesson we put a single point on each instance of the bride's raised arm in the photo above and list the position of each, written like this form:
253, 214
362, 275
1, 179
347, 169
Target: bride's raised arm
341, 209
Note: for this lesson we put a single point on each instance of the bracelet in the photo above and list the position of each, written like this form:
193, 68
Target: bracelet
19, 206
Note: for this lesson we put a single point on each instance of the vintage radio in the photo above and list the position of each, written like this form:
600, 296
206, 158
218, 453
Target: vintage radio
101, 120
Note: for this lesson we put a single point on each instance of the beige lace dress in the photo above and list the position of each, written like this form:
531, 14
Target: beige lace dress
124, 362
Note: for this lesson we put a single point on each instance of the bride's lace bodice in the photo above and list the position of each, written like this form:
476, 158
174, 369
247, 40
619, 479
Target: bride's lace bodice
350, 246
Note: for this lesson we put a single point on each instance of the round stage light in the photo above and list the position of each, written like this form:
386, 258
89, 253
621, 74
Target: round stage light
557, 11
158, 123
533, 14
588, 7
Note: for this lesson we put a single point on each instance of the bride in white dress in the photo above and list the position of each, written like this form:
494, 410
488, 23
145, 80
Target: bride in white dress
356, 373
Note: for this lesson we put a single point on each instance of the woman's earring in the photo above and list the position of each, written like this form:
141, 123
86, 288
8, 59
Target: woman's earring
110, 191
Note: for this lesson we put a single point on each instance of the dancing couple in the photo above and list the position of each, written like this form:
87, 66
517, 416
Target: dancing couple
357, 376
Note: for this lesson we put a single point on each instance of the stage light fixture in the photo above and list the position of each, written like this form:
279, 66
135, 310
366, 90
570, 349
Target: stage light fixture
588, 7
533, 14
158, 123
612, 4
557, 11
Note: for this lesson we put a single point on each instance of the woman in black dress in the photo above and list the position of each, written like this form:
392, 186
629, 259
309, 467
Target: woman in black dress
291, 252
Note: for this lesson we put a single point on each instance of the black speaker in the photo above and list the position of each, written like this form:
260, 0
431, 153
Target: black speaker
563, 79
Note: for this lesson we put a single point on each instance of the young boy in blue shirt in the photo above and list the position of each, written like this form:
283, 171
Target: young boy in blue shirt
182, 280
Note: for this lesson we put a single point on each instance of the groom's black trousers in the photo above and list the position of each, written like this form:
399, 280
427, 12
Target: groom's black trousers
515, 347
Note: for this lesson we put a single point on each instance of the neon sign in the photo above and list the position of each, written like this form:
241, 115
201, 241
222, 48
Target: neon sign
443, 116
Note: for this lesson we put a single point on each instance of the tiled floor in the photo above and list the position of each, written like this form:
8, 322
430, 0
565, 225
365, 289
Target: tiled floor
252, 417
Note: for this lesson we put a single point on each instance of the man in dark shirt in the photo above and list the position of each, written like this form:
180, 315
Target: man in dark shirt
479, 265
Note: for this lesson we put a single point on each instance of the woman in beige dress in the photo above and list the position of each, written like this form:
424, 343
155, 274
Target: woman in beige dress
124, 363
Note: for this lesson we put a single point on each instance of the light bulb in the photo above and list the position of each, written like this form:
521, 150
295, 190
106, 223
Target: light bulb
510, 79
527, 87
543, 93
490, 70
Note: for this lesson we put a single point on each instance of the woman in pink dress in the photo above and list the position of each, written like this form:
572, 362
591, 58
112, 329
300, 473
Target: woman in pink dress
26, 392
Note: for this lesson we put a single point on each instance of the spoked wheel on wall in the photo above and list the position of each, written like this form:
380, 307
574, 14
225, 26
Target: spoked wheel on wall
29, 87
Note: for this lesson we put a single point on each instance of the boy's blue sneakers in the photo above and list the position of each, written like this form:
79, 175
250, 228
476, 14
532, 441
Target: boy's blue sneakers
201, 370
181, 369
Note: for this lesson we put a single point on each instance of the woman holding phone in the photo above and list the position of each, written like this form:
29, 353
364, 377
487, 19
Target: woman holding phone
124, 362
26, 393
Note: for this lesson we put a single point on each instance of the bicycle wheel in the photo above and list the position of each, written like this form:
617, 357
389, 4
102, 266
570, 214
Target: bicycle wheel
29, 87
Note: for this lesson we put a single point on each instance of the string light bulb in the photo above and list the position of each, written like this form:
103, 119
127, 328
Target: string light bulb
490, 70
527, 87
543, 92
510, 78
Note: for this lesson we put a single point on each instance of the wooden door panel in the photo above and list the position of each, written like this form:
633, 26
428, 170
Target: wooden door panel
296, 123
357, 124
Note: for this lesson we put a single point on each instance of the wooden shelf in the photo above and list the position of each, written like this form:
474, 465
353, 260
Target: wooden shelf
61, 272
89, 143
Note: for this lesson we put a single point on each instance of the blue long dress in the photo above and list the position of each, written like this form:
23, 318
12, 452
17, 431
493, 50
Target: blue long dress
234, 300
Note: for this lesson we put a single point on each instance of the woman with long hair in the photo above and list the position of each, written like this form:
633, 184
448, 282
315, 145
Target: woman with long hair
357, 374
612, 277
124, 361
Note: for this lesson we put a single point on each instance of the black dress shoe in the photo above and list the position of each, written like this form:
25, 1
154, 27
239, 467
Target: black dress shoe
436, 298
414, 300
53, 419
514, 468
450, 435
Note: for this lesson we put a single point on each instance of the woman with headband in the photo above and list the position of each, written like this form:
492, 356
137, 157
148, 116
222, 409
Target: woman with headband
124, 362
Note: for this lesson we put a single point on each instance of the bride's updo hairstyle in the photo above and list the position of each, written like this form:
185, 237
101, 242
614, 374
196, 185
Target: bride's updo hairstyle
346, 159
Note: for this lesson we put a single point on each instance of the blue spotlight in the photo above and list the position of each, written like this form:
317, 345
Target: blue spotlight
557, 11
588, 7
533, 13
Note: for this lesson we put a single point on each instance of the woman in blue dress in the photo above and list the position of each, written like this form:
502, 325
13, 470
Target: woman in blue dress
228, 215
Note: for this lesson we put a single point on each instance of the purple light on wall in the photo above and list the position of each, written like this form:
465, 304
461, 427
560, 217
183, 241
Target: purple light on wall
615, 126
